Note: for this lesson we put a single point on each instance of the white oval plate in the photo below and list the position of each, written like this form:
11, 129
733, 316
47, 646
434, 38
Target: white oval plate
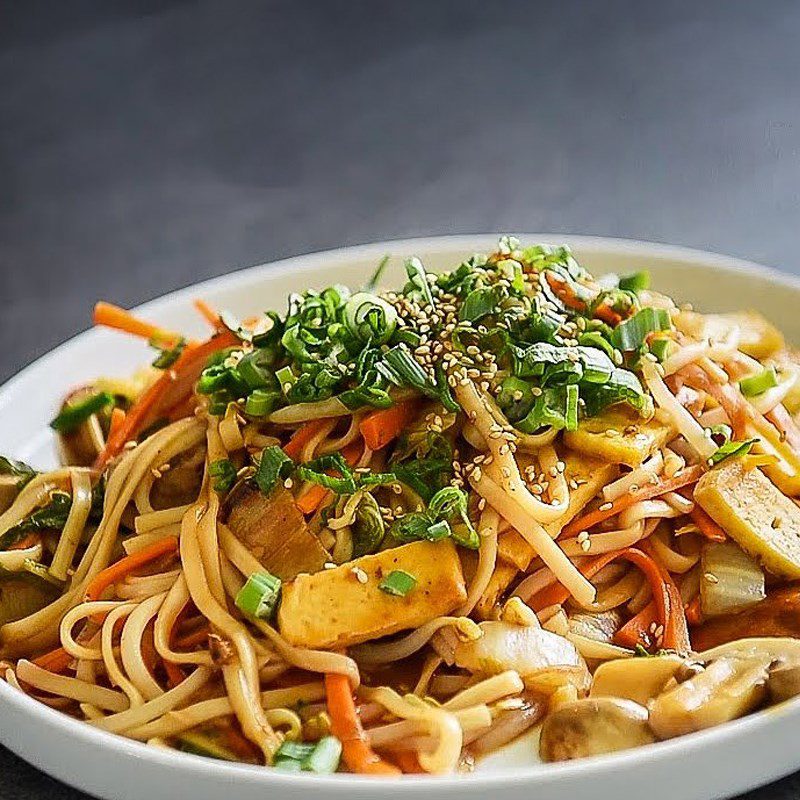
717, 763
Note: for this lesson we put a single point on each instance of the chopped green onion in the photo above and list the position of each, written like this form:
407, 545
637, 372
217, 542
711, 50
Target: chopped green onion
731, 450
214, 379
260, 402
259, 596
439, 530
418, 281
219, 402
255, 369
73, 415
324, 758
286, 378
398, 583
596, 339
168, 355
224, 474
376, 276
758, 384
635, 282
631, 334
370, 318
450, 504
273, 466
481, 302
662, 348
571, 415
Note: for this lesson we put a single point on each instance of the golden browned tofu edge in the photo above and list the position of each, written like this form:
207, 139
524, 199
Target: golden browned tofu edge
334, 609
755, 514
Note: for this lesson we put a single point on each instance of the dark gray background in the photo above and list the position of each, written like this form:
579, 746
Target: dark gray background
148, 145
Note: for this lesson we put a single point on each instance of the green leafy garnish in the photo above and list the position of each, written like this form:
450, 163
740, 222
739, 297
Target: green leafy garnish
732, 450
273, 466
224, 474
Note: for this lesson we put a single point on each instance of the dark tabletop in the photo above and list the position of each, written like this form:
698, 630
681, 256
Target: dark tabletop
148, 145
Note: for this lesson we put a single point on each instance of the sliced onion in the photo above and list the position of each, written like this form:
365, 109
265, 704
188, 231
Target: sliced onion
508, 726
731, 580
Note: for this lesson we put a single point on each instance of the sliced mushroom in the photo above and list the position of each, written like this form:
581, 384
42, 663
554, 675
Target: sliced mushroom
727, 689
593, 726
637, 679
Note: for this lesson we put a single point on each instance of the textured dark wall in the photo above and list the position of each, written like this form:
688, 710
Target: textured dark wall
147, 145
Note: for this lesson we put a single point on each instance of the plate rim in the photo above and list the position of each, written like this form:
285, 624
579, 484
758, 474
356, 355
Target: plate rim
525, 775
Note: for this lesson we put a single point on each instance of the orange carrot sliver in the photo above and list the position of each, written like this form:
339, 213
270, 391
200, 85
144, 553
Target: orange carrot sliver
638, 629
55, 661
694, 613
302, 436
125, 566
408, 762
207, 313
316, 495
346, 726
117, 419
111, 316
684, 478
26, 541
386, 424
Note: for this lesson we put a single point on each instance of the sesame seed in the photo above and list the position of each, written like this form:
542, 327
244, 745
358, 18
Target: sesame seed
606, 507
710, 577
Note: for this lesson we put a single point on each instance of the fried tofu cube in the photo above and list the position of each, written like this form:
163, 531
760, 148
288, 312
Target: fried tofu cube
619, 436
590, 475
340, 607
758, 337
762, 520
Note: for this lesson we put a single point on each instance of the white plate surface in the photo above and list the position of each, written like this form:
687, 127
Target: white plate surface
716, 763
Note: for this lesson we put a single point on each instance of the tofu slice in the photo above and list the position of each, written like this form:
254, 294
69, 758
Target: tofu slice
759, 338
619, 436
334, 609
275, 532
590, 475
754, 513
488, 606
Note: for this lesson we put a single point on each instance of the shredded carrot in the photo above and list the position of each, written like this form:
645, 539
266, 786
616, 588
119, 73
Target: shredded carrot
118, 570
55, 661
117, 419
191, 639
26, 541
180, 380
345, 724
408, 762
638, 630
564, 293
694, 613
207, 313
111, 316
174, 674
316, 495
302, 436
665, 593
606, 511
382, 426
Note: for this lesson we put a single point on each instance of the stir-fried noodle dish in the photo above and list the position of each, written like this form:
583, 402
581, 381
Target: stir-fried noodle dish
389, 532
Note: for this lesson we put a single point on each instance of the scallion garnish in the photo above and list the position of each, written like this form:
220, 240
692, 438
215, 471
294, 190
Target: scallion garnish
662, 348
417, 285
322, 758
260, 402
273, 466
224, 474
370, 318
168, 355
731, 450
398, 583
286, 378
758, 384
73, 415
635, 282
259, 596
631, 334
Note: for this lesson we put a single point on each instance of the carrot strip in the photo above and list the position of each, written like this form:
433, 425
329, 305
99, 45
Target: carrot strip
117, 419
174, 674
665, 593
181, 376
316, 495
207, 313
606, 511
302, 436
125, 566
408, 762
26, 541
707, 526
386, 424
694, 613
345, 724
638, 629
111, 316
55, 661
